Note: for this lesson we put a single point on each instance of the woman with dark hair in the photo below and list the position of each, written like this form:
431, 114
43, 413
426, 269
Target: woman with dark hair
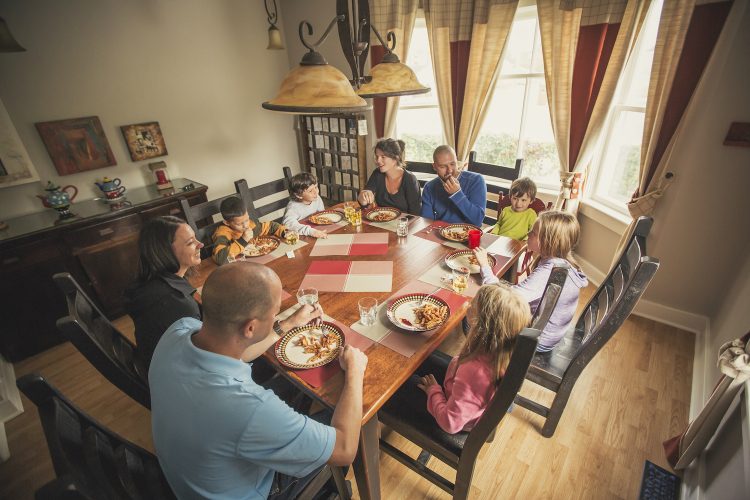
391, 185
161, 295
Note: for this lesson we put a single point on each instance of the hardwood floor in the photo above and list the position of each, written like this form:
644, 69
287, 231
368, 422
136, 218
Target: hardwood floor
632, 396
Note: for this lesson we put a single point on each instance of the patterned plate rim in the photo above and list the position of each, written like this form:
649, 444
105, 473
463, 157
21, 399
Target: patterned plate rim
382, 209
411, 297
283, 341
265, 237
326, 212
455, 253
451, 226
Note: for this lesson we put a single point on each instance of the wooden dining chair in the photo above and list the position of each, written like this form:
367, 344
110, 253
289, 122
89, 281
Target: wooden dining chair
406, 413
201, 217
423, 170
614, 300
278, 193
90, 461
496, 177
113, 354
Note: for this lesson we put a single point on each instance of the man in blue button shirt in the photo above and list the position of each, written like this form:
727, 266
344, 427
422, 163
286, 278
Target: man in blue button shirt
455, 195
217, 433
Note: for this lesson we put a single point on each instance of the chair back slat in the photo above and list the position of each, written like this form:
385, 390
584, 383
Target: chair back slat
550, 296
90, 456
279, 189
113, 354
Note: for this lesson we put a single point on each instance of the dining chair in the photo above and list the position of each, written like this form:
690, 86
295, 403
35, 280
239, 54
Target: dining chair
90, 461
103, 345
200, 217
259, 208
406, 413
423, 171
614, 300
496, 177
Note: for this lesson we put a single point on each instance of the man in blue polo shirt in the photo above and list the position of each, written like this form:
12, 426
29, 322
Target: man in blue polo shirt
217, 433
455, 195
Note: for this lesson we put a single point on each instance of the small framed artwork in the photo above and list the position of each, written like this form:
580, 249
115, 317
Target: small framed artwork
15, 165
738, 135
144, 140
76, 145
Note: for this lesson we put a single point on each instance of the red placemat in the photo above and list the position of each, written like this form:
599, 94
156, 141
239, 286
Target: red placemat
351, 244
349, 276
316, 377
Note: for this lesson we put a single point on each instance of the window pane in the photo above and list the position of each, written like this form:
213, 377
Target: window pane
419, 60
422, 132
498, 140
519, 47
637, 89
539, 153
619, 178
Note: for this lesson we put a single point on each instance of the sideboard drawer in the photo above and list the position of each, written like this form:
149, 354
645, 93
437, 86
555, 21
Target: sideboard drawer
100, 233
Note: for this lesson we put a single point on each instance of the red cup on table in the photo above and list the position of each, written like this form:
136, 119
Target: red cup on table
474, 236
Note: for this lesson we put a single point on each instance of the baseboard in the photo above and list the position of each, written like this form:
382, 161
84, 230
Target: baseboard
696, 323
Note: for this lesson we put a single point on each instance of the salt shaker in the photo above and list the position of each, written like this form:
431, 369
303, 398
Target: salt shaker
403, 227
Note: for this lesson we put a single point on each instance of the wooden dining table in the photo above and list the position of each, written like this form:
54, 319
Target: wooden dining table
386, 370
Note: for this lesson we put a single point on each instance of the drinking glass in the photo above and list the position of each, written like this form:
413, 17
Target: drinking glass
460, 279
403, 227
348, 212
474, 237
368, 310
357, 217
307, 296
291, 237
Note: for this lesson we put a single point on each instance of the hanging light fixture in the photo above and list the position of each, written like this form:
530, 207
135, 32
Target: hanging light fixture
7, 42
274, 35
316, 87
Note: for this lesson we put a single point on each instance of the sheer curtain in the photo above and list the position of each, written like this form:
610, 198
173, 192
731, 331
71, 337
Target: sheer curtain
467, 39
585, 45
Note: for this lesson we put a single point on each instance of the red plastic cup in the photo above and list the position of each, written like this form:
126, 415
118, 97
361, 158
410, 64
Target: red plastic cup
474, 237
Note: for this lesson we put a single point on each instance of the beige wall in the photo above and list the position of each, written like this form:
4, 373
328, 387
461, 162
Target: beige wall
199, 68
701, 231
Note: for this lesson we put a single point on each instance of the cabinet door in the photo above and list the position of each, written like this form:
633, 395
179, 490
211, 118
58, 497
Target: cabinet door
30, 302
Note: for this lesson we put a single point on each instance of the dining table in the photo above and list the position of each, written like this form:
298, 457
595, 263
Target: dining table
411, 256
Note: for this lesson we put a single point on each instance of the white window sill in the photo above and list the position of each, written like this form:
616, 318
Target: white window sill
607, 217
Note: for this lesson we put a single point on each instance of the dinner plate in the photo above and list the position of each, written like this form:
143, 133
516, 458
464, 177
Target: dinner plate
457, 232
291, 353
401, 311
463, 258
382, 214
262, 245
325, 217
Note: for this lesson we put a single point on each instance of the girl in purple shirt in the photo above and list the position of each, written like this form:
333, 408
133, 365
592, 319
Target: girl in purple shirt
496, 316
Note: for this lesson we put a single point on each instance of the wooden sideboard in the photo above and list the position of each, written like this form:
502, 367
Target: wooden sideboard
99, 247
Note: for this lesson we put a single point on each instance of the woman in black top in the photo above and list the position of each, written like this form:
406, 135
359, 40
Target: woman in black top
161, 295
391, 185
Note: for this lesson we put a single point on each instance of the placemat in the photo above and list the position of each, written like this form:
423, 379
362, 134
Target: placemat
279, 252
439, 269
315, 377
349, 276
432, 233
391, 225
401, 341
328, 228
351, 244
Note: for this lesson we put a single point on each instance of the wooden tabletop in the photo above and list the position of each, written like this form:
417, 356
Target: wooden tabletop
386, 369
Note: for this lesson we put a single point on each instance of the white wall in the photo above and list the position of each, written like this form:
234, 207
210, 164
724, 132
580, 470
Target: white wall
701, 232
199, 68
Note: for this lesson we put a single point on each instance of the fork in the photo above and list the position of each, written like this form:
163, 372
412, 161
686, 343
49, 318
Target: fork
430, 295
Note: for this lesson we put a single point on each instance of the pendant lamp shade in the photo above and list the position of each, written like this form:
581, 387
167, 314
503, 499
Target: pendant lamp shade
274, 39
391, 79
318, 88
7, 42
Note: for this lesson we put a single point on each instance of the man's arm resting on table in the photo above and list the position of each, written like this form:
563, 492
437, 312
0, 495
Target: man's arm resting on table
347, 417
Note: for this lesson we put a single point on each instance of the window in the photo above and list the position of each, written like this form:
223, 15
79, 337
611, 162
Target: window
615, 174
418, 122
517, 124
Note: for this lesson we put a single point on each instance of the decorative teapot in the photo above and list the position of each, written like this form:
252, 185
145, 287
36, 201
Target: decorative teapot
58, 198
108, 185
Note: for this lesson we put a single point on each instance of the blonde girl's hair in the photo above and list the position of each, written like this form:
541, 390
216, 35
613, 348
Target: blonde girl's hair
500, 316
558, 235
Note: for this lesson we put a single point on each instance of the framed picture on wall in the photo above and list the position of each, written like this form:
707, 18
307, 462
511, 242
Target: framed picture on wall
144, 140
76, 145
15, 165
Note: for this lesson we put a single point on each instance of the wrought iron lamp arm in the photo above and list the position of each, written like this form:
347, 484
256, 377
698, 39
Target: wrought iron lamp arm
314, 46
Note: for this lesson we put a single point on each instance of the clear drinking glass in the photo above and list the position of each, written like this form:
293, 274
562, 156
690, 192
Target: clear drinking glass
403, 227
348, 212
368, 310
460, 279
357, 217
307, 296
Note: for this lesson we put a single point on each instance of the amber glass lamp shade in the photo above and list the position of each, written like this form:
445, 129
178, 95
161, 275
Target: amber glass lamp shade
319, 88
274, 39
7, 42
391, 79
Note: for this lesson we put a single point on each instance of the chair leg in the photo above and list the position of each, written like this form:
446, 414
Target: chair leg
555, 411
341, 486
464, 474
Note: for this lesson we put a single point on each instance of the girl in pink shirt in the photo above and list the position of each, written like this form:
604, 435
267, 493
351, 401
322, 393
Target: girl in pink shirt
496, 316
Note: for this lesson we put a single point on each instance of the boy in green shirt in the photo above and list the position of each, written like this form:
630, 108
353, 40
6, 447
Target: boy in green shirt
516, 220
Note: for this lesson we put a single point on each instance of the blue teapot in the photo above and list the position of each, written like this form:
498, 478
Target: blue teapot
108, 185
56, 197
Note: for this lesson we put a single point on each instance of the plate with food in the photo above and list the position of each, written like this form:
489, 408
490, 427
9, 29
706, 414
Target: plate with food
466, 259
457, 232
325, 217
382, 214
262, 245
418, 312
310, 346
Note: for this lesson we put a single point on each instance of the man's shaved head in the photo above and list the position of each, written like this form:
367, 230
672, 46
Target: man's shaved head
237, 293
